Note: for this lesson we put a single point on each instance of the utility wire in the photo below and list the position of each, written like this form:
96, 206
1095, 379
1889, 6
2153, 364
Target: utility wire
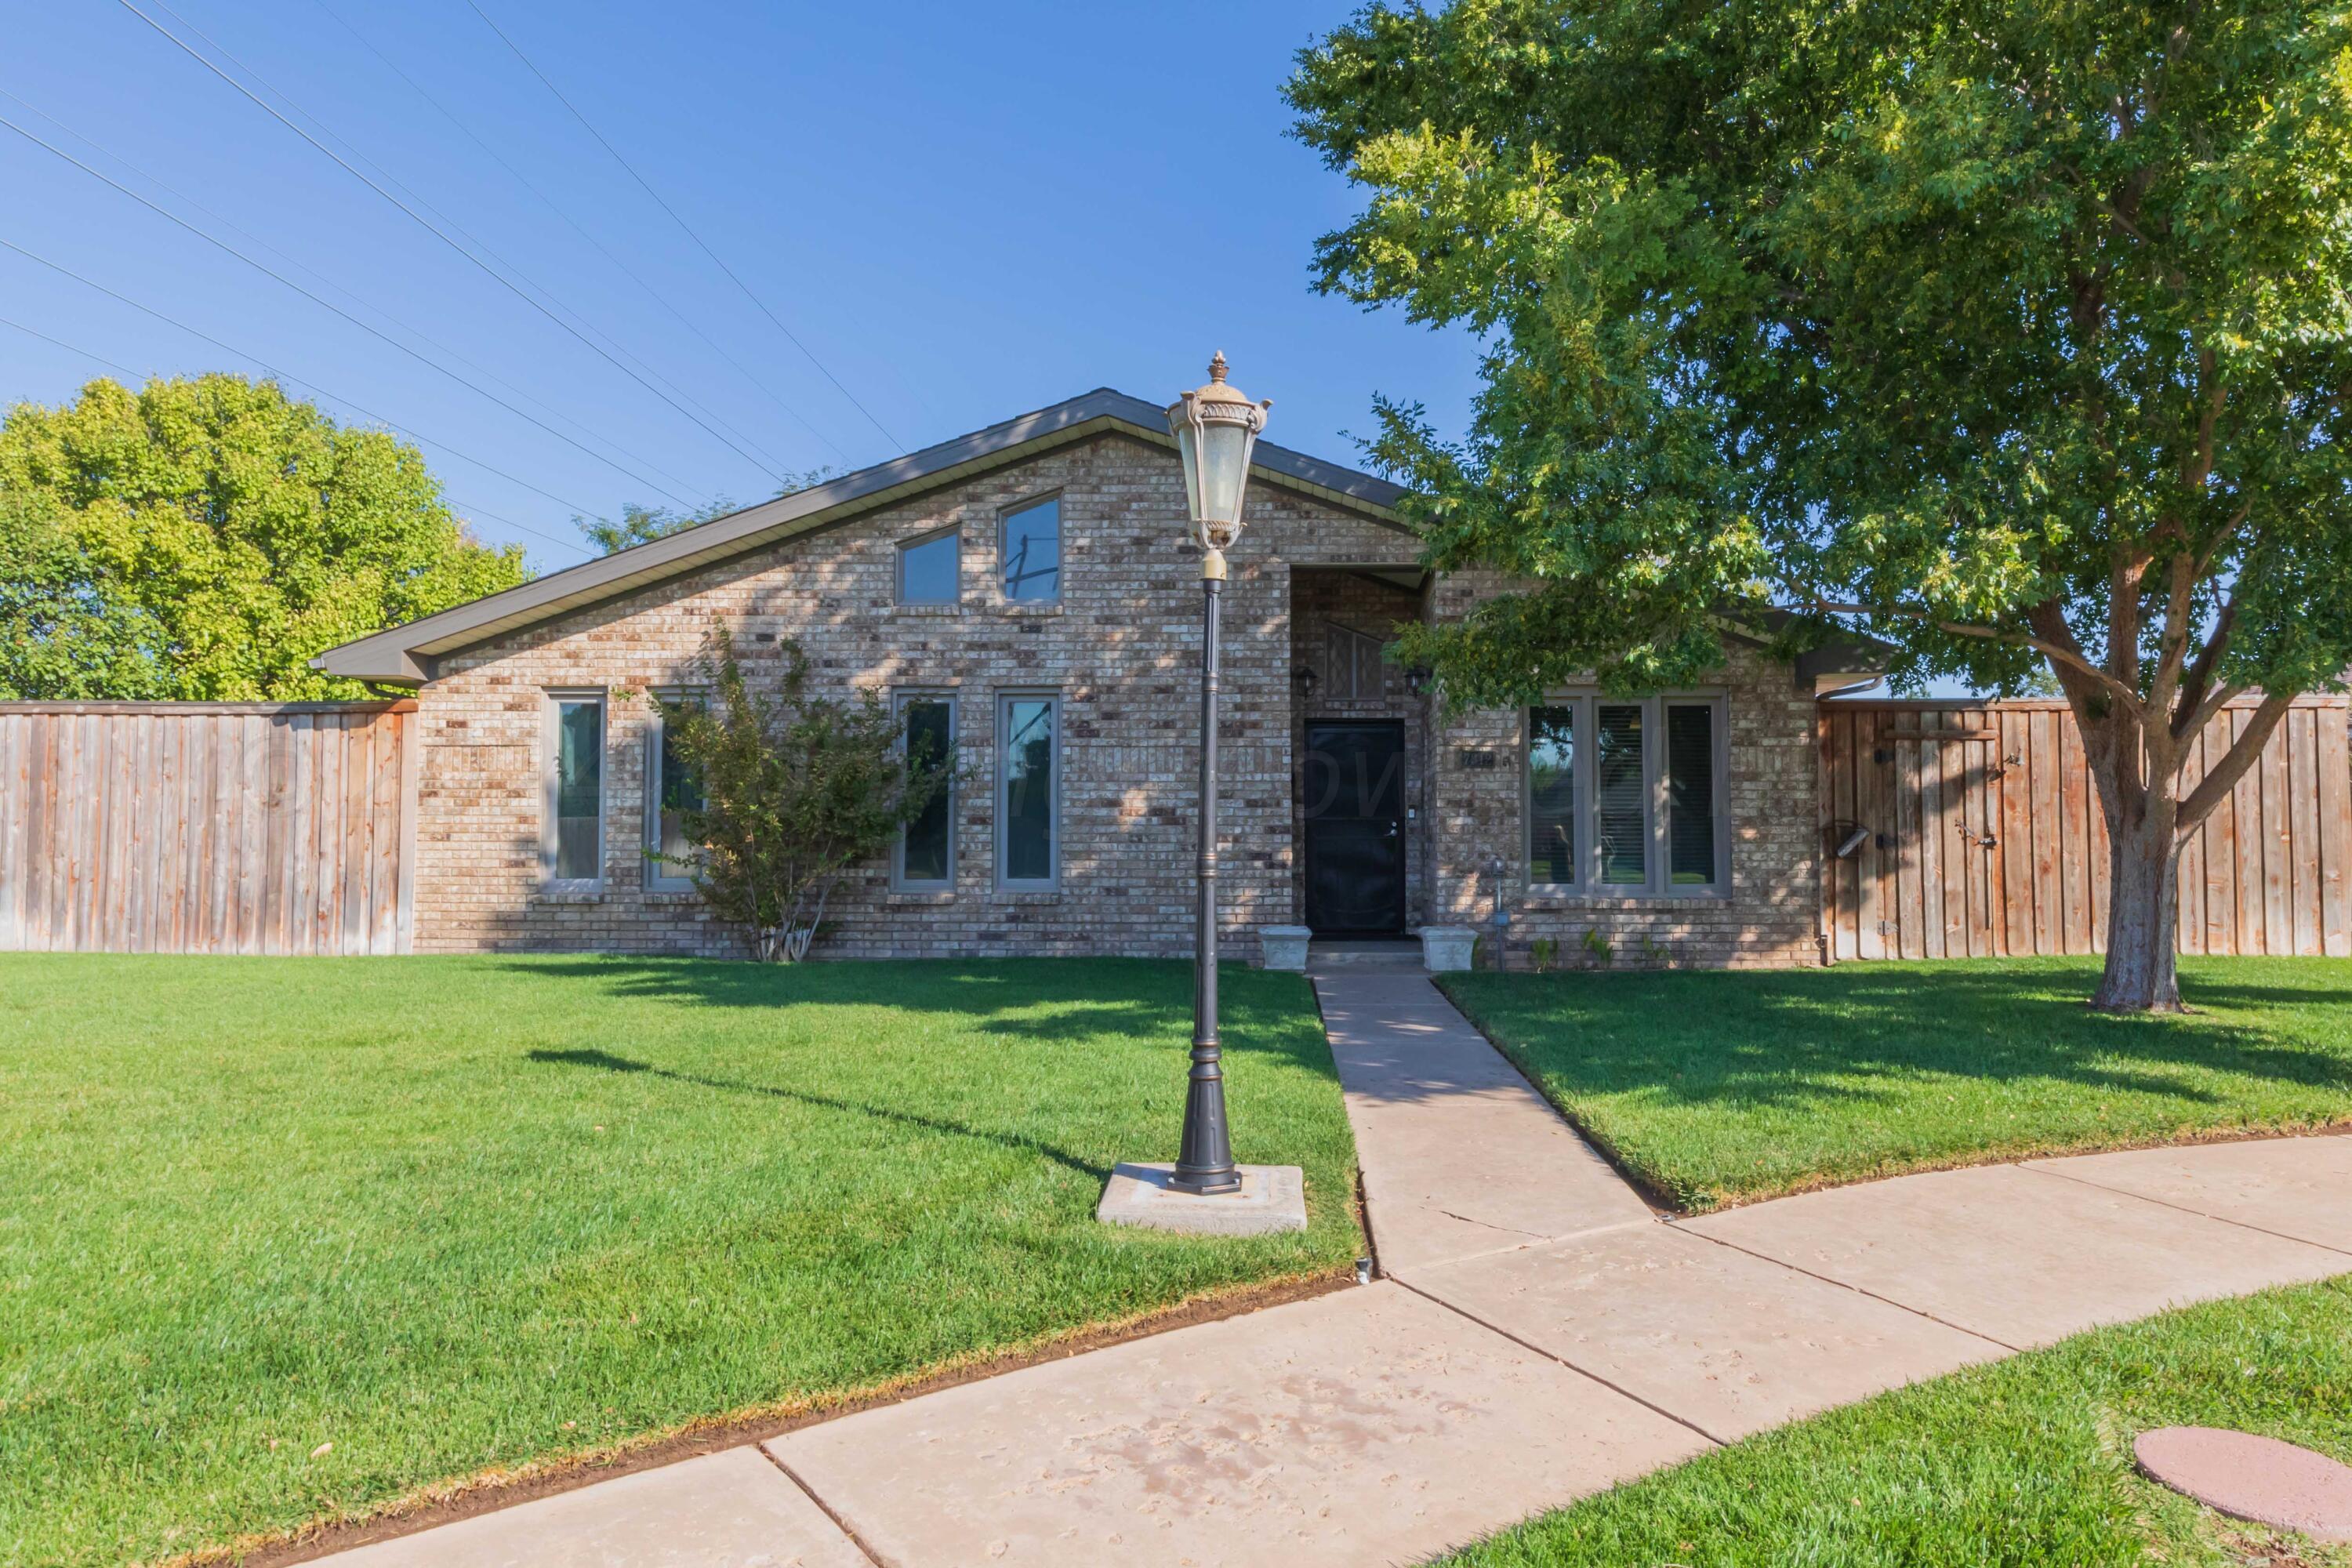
464, 508
88, 282
550, 203
577, 321
437, 233
682, 224
295, 262
346, 315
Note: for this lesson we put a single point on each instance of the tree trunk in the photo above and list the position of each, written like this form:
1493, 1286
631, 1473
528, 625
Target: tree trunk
2143, 906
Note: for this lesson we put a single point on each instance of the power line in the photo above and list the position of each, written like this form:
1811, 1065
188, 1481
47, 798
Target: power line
682, 224
69, 348
550, 203
346, 315
426, 338
466, 508
295, 380
577, 323
435, 230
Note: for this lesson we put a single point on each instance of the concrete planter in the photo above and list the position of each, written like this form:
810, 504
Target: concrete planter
1282, 947
1446, 949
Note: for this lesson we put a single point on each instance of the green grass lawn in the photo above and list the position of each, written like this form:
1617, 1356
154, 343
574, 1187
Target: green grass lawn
452, 1215
2025, 1462
1719, 1088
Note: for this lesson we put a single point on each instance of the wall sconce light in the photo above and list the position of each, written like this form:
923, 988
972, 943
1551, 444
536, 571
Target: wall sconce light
1304, 675
1416, 679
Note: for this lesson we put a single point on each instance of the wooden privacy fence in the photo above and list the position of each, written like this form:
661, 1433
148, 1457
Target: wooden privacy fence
1981, 834
207, 826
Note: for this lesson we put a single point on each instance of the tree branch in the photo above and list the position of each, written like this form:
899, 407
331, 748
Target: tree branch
2057, 652
2196, 709
2220, 781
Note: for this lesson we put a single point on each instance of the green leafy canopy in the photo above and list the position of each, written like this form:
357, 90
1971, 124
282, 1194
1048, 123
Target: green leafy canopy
2020, 328
202, 539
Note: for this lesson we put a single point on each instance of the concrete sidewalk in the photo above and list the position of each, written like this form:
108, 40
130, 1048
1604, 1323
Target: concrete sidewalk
1539, 1336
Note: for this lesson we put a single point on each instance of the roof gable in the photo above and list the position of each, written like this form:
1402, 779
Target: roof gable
405, 655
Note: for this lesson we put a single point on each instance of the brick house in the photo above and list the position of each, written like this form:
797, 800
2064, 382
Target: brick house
1027, 590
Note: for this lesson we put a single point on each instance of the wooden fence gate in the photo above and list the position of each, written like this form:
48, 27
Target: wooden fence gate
1981, 834
207, 826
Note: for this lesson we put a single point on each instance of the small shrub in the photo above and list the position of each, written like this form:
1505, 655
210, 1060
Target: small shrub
794, 790
1544, 953
1596, 945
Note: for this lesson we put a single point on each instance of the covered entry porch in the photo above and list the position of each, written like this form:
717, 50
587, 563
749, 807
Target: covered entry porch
1360, 755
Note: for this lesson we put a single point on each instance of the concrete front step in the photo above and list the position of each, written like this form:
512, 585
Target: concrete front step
1399, 956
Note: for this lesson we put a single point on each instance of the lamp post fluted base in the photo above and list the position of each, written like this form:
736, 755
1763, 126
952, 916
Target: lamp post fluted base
1204, 1162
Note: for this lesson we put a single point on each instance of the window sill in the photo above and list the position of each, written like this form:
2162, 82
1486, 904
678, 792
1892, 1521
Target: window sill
672, 896
1025, 896
1021, 608
568, 896
916, 897
923, 610
1570, 899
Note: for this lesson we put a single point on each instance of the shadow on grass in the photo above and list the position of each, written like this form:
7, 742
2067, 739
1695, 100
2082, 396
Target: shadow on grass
1796, 1038
1047, 1001
1013, 1140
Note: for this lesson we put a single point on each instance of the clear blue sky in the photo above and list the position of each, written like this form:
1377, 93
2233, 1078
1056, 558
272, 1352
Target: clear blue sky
963, 211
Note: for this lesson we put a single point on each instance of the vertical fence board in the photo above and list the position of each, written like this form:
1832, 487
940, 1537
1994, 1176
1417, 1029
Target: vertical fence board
11, 827
1869, 804
2335, 749
2221, 849
2303, 789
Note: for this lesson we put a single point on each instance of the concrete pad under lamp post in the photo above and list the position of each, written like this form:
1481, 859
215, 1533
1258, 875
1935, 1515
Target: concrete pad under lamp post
1204, 1191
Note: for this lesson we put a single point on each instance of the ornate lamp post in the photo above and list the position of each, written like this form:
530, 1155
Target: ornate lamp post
1215, 428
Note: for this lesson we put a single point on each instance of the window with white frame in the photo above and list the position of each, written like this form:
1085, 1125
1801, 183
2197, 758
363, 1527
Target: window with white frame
1031, 549
930, 569
1028, 791
925, 857
1626, 796
671, 791
573, 832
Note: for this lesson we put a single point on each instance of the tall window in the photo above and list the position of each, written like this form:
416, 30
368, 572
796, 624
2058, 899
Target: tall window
1551, 797
575, 833
930, 569
1626, 797
671, 791
1028, 791
1033, 552
1694, 845
1620, 795
926, 856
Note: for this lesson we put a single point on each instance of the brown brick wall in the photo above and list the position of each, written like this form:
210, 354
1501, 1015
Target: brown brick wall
1122, 648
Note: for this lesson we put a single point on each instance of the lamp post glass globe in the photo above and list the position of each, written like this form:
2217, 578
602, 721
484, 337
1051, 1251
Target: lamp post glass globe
1216, 430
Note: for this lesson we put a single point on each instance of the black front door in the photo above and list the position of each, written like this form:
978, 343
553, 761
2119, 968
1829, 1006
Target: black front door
1355, 828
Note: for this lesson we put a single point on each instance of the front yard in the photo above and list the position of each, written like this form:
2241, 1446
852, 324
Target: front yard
1717, 1087
2023, 1464
287, 1239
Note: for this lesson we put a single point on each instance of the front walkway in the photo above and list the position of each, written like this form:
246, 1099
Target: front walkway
1537, 1336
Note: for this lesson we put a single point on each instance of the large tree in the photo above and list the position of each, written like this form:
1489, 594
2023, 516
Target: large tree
202, 539
2014, 331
